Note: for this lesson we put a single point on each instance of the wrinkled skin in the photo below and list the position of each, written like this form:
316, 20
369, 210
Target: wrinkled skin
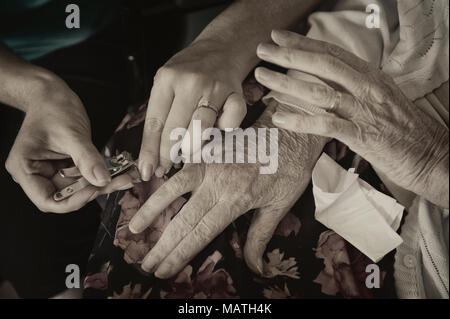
222, 193
371, 115
56, 128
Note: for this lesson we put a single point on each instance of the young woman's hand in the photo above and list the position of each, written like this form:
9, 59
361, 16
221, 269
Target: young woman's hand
203, 72
366, 111
56, 127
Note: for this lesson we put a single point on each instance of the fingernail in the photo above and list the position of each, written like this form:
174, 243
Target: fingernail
160, 172
93, 196
265, 49
101, 175
279, 33
148, 264
135, 224
163, 271
261, 73
259, 267
146, 172
126, 186
279, 118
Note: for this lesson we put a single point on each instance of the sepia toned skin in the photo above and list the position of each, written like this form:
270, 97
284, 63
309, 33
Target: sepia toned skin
224, 192
56, 127
371, 116
212, 68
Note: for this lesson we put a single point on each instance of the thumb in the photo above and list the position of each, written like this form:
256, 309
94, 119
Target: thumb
234, 112
323, 125
264, 223
90, 163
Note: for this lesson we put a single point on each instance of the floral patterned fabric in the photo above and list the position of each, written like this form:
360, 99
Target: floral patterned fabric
303, 260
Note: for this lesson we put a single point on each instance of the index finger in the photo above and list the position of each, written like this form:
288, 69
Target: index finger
181, 183
161, 99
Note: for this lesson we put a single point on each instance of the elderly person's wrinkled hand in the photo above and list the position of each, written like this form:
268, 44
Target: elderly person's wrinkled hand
366, 111
220, 194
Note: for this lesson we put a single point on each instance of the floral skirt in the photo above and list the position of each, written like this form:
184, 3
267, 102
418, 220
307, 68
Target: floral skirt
304, 258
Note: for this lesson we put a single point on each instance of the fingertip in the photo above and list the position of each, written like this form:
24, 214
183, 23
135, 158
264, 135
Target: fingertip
147, 269
259, 71
146, 171
275, 34
136, 225
164, 271
101, 175
280, 118
253, 258
259, 266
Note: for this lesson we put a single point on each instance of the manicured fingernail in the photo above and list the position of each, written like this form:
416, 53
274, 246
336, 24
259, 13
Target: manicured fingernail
135, 224
160, 172
126, 186
101, 175
93, 196
265, 49
279, 118
146, 172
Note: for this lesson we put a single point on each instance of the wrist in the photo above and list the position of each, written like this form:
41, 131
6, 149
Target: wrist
225, 56
28, 87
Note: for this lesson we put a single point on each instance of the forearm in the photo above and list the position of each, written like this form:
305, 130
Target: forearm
246, 23
21, 82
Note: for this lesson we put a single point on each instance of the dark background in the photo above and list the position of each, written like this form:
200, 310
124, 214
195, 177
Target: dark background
111, 73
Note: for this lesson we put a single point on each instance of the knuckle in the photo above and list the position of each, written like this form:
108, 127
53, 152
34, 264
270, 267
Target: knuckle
320, 93
194, 79
334, 50
154, 125
181, 221
289, 55
205, 229
332, 127
164, 73
284, 82
177, 185
331, 64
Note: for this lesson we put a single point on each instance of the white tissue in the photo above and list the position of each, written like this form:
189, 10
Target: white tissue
356, 211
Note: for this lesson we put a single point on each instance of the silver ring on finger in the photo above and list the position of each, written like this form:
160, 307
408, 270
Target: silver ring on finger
206, 104
337, 101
